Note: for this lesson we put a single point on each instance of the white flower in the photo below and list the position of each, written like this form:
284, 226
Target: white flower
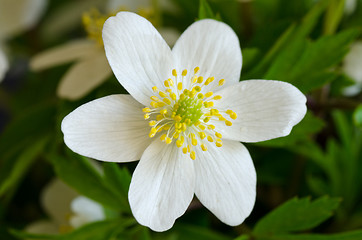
66, 209
352, 66
182, 103
4, 65
91, 67
15, 17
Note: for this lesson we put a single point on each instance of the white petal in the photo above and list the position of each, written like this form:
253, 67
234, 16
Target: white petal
109, 129
16, 16
137, 54
226, 181
162, 186
353, 62
63, 54
86, 211
42, 227
266, 109
213, 47
84, 76
4, 65
56, 198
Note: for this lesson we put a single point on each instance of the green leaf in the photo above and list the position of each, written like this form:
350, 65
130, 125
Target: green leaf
353, 235
185, 231
21, 165
205, 11
297, 215
108, 229
77, 172
357, 116
118, 179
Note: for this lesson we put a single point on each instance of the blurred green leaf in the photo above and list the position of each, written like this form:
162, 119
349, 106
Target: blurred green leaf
184, 231
11, 177
297, 215
353, 235
205, 11
118, 179
357, 116
108, 229
77, 172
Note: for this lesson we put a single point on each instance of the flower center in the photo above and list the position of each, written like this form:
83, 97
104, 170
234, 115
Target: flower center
184, 114
93, 21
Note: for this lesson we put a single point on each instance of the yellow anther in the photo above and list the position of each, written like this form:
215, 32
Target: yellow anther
187, 121
174, 72
166, 83
229, 111
200, 96
211, 127
184, 127
210, 104
160, 104
146, 116
154, 104
221, 82
159, 117
196, 69
153, 132
193, 155
194, 142
197, 88
200, 79
217, 97
221, 118
176, 135
202, 127
184, 72
168, 90
218, 143
162, 94
166, 127
209, 80
233, 115
194, 79
179, 143
177, 118
173, 96
163, 111
154, 98
152, 123
206, 104
202, 135
192, 94
184, 150
146, 110
186, 92
209, 94
167, 101
170, 81
203, 147
228, 123
209, 138
159, 129
213, 112
155, 89
219, 135
163, 137
168, 140
179, 86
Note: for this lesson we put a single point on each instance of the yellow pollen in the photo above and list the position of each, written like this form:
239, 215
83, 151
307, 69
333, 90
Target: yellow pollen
218, 143
179, 86
187, 115
193, 155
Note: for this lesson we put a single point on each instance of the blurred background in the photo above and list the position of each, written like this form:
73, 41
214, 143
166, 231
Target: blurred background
52, 61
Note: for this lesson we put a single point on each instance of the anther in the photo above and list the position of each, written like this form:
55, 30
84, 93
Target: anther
174, 72
184, 72
196, 70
